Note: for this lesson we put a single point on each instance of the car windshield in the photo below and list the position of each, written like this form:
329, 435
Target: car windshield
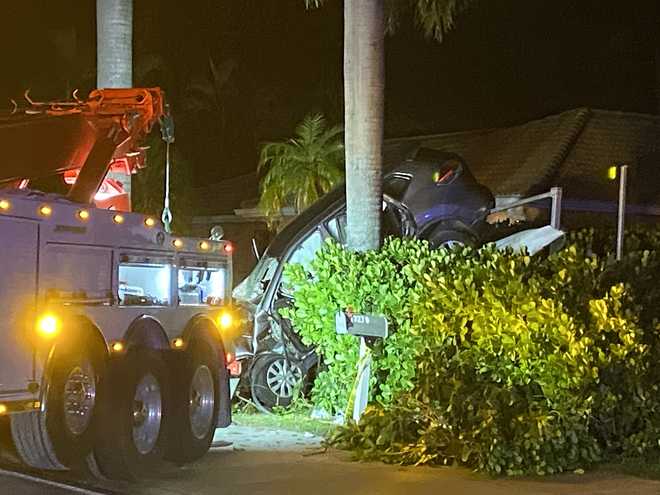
254, 285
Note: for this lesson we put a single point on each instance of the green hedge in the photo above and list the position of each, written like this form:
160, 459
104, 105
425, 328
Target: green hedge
498, 361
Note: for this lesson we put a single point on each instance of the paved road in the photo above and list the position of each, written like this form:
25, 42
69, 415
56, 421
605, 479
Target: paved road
265, 461
18, 483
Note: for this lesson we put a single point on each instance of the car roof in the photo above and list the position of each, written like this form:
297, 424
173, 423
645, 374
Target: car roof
424, 159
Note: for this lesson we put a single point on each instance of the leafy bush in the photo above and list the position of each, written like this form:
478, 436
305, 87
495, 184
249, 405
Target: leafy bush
373, 282
499, 361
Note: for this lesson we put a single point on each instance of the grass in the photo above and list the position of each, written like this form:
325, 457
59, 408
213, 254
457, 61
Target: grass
295, 420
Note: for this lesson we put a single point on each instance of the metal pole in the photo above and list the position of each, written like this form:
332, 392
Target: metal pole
622, 211
555, 211
362, 391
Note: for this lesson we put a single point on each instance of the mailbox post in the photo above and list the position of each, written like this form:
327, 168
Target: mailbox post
346, 322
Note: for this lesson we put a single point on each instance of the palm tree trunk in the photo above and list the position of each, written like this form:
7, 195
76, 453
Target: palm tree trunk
114, 43
114, 54
364, 84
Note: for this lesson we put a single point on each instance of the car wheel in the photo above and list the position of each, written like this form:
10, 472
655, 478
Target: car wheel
196, 397
273, 381
450, 239
134, 417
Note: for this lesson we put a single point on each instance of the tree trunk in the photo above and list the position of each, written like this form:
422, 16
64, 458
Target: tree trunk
364, 84
114, 43
114, 54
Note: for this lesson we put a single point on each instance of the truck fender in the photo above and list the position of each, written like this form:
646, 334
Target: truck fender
204, 328
146, 331
82, 327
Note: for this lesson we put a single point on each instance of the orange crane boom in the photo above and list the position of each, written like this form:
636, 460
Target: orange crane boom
48, 138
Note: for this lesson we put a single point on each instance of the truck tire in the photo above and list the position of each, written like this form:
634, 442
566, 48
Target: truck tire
134, 413
196, 397
273, 381
61, 434
32, 443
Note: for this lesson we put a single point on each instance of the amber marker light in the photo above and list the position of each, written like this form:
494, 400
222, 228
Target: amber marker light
118, 219
3, 409
48, 326
225, 320
4, 205
117, 347
204, 246
612, 172
178, 243
150, 222
177, 343
83, 215
45, 211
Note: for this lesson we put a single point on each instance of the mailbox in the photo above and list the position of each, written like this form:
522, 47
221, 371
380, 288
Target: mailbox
361, 325
347, 322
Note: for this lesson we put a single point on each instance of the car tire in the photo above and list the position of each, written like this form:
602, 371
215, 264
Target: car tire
196, 399
135, 414
450, 239
61, 435
273, 381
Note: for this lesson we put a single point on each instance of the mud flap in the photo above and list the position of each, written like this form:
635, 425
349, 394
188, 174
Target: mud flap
224, 404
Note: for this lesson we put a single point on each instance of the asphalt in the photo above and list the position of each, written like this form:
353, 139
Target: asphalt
15, 482
265, 461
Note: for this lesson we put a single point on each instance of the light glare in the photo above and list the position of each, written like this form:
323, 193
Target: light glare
225, 320
48, 325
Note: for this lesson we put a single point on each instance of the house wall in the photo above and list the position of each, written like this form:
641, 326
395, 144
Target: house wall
240, 232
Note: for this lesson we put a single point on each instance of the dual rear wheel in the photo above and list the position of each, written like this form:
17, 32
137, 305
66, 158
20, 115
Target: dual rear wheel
124, 416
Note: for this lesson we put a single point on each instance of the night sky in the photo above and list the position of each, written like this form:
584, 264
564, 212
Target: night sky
241, 72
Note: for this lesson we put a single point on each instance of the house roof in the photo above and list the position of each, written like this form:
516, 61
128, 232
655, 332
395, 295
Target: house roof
572, 149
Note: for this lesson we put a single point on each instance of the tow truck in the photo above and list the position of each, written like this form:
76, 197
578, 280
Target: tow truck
116, 335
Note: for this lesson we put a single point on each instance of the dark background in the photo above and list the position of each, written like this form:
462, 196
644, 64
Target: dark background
240, 72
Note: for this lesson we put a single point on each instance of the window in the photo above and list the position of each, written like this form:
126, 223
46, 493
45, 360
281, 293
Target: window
303, 254
305, 251
337, 227
254, 285
144, 283
395, 187
202, 284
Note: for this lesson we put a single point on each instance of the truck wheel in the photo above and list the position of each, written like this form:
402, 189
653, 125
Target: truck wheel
273, 381
62, 435
134, 415
196, 403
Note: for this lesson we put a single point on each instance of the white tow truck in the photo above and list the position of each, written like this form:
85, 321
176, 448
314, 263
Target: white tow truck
116, 348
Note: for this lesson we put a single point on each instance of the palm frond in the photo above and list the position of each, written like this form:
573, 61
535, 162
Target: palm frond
301, 169
437, 17
313, 4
